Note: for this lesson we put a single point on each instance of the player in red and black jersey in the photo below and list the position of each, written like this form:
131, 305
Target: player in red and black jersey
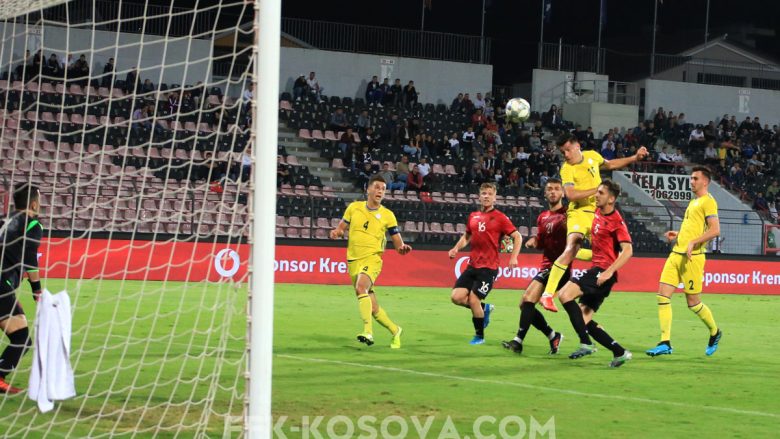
484, 230
612, 248
551, 239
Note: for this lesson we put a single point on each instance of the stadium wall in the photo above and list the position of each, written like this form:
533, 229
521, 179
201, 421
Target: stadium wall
702, 103
347, 74
185, 60
309, 264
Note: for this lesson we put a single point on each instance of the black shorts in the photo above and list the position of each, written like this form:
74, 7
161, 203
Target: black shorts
477, 280
543, 275
9, 305
593, 295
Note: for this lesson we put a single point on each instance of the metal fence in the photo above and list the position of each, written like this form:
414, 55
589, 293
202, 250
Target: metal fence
599, 90
572, 58
717, 72
344, 37
128, 17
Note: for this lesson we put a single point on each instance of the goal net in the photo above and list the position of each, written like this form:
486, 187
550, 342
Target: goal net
134, 120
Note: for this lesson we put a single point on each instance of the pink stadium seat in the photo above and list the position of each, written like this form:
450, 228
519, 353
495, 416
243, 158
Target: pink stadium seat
77, 119
103, 92
294, 221
317, 134
3, 84
117, 93
460, 228
327, 191
321, 234
303, 133
190, 126
292, 233
330, 135
315, 191
523, 230
435, 228
301, 190
213, 100
334, 222
204, 127
75, 89
47, 88
410, 226
92, 120
280, 232
323, 223
438, 169
338, 164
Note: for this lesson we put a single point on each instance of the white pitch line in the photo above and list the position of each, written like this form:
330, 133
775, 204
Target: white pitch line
534, 387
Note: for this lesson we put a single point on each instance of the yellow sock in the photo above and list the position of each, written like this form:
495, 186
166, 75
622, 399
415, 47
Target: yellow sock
704, 313
364, 305
665, 317
584, 254
556, 273
384, 320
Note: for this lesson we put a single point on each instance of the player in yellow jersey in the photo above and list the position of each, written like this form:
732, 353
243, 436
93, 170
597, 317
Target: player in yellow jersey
368, 222
581, 178
686, 263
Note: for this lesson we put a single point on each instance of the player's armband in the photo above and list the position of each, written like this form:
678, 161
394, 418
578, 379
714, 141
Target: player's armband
393, 231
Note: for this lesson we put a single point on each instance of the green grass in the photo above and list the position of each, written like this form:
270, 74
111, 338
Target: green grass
319, 368
151, 359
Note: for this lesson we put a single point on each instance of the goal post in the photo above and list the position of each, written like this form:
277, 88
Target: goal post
154, 160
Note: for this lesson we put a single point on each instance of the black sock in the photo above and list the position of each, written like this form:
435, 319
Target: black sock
19, 344
577, 322
482, 304
526, 318
540, 323
604, 339
479, 326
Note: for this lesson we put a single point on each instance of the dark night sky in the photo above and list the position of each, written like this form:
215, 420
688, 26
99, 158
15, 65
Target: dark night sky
514, 24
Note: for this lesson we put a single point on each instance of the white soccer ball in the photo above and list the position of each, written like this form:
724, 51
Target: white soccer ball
518, 110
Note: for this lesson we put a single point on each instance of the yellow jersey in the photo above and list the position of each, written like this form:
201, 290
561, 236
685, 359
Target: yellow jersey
583, 176
367, 229
695, 223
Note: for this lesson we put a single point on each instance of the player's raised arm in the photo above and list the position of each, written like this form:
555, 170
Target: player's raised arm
462, 242
613, 164
398, 242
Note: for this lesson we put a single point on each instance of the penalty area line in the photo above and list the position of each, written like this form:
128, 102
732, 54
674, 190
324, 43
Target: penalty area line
533, 387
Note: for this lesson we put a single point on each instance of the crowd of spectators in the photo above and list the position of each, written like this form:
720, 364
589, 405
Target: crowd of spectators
395, 95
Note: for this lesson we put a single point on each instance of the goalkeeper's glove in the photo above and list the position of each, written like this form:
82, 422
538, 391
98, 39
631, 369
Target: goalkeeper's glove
36, 290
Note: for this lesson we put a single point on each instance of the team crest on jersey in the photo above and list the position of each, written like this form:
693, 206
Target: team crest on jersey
590, 161
378, 216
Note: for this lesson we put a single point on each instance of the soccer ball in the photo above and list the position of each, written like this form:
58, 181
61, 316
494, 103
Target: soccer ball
517, 110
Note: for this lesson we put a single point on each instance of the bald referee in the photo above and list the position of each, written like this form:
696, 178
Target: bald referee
20, 236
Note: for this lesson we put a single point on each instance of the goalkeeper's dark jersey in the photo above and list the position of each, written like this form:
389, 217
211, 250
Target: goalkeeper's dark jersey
20, 236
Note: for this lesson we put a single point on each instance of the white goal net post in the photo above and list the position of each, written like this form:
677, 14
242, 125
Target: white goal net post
137, 123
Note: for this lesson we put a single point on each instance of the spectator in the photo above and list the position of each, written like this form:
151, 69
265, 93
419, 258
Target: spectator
364, 175
410, 95
650, 136
147, 86
773, 190
677, 156
300, 87
664, 157
338, 120
413, 146
315, 89
385, 88
402, 169
535, 142
248, 94
710, 154
760, 204
390, 130
457, 103
131, 81
467, 106
389, 177
107, 80
414, 181
696, 139
513, 180
52, 68
246, 165
173, 102
608, 147
424, 167
282, 172
80, 71
363, 122
660, 118
347, 141
478, 120
479, 103
373, 92
397, 91
365, 157
551, 119
453, 145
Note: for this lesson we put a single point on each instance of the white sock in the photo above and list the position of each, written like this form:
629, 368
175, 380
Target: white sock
519, 340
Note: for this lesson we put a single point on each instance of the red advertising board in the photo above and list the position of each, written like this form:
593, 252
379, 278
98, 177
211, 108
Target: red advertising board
195, 262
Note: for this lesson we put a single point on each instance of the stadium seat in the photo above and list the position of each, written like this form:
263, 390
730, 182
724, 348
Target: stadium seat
292, 233
329, 135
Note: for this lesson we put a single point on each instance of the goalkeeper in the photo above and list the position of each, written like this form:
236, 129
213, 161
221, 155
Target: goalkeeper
20, 236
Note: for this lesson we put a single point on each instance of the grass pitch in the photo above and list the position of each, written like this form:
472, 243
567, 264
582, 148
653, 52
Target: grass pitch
320, 370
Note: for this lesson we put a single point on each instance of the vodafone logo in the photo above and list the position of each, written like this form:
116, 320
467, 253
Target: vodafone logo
227, 254
458, 264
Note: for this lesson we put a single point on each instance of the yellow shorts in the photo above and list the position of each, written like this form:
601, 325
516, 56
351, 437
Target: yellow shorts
579, 221
679, 269
370, 266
